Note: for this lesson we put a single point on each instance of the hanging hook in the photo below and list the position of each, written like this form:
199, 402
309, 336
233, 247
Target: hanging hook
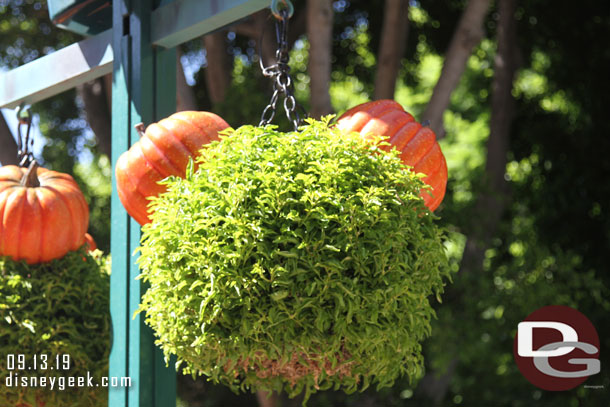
24, 117
276, 9
280, 72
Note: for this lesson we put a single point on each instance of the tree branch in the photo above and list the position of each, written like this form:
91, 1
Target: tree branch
392, 47
469, 33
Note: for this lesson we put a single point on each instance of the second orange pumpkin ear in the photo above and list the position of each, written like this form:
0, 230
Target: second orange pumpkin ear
417, 144
163, 150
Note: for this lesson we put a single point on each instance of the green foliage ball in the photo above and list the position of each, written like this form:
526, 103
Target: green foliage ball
293, 261
56, 308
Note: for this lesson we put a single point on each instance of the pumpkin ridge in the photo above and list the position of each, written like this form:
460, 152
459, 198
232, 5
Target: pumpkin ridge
72, 242
20, 222
384, 109
434, 189
158, 168
136, 191
439, 198
440, 183
430, 179
127, 190
42, 223
151, 164
32, 211
138, 186
179, 142
201, 129
435, 171
427, 156
84, 215
410, 146
197, 129
76, 194
391, 130
209, 129
368, 105
48, 178
392, 140
72, 227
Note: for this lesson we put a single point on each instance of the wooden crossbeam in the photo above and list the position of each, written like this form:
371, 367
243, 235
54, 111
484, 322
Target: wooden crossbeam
182, 20
57, 72
173, 23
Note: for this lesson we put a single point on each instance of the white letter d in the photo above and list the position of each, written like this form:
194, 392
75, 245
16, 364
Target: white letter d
526, 342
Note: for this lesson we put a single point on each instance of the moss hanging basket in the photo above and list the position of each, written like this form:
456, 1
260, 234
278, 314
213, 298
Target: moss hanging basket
293, 261
47, 311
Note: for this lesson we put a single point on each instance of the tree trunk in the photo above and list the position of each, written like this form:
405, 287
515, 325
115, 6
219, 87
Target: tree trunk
391, 47
469, 33
319, 33
185, 96
108, 88
8, 145
218, 70
98, 113
492, 202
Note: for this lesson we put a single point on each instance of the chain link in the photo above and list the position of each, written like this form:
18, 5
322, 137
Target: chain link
24, 144
280, 74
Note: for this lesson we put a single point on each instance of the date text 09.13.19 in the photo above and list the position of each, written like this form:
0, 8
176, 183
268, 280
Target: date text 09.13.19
37, 362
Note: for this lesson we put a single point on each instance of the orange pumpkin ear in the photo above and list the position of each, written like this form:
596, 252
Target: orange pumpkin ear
164, 149
43, 214
418, 146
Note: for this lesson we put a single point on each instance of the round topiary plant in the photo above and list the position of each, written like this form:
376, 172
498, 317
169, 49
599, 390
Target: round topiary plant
54, 324
295, 261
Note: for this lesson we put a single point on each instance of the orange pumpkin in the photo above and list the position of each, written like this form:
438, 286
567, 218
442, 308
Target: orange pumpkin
163, 150
90, 243
416, 143
43, 214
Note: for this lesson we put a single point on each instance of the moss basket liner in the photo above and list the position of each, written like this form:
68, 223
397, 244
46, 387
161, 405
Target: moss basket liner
293, 261
55, 308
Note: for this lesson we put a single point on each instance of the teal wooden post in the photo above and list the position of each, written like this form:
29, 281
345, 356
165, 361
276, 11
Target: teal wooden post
144, 90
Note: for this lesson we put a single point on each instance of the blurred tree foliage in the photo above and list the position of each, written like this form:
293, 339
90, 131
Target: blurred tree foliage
552, 244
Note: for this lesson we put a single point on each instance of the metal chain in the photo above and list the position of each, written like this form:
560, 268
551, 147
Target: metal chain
24, 144
280, 74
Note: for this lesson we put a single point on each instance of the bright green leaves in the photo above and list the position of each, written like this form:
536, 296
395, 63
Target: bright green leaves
56, 308
295, 261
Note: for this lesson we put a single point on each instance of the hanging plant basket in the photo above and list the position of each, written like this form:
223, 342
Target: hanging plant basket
54, 316
293, 261
58, 309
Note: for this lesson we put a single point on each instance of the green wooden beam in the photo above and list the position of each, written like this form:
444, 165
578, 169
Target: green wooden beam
183, 20
143, 91
57, 72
